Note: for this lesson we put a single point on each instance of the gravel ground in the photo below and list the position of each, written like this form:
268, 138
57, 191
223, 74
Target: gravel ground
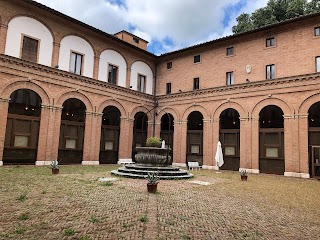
35, 204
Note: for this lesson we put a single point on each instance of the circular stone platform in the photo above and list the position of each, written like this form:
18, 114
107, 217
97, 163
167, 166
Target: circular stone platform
141, 171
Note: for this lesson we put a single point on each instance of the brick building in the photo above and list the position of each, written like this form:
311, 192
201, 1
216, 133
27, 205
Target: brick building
74, 93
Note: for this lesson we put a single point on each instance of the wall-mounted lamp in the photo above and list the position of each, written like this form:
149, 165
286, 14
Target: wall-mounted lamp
180, 91
247, 80
130, 86
56, 66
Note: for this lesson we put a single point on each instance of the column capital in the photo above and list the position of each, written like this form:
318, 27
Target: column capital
210, 120
5, 100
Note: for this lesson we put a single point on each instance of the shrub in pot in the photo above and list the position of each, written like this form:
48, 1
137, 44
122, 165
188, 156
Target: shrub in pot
153, 180
153, 142
54, 166
244, 175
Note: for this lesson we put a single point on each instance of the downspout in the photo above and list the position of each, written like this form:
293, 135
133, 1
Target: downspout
155, 102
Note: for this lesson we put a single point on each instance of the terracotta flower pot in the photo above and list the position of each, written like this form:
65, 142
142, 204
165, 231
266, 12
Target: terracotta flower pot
244, 178
55, 170
152, 188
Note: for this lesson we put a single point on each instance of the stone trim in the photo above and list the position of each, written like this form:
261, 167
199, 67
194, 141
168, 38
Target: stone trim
246, 119
179, 165
90, 163
295, 174
289, 116
43, 163
5, 100
210, 120
254, 171
302, 115
209, 167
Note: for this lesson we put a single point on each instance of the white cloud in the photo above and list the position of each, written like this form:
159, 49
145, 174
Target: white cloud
184, 22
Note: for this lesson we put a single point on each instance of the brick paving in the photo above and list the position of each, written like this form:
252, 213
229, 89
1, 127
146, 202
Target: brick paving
265, 207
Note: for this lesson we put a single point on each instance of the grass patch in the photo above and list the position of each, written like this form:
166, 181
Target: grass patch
23, 197
107, 184
126, 225
93, 219
69, 232
84, 238
20, 230
24, 217
186, 237
143, 218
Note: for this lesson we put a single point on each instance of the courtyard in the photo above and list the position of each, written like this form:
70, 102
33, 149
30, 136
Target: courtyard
75, 205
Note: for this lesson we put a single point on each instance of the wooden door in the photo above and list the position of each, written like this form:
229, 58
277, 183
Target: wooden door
195, 146
230, 143
109, 144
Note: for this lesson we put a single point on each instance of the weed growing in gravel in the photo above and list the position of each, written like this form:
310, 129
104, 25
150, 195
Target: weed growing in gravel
20, 230
24, 217
186, 237
143, 218
44, 192
22, 197
69, 232
107, 184
93, 219
84, 238
126, 225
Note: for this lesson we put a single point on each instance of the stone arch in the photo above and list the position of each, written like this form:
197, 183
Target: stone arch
80, 36
26, 85
271, 101
165, 110
140, 109
308, 102
28, 26
114, 103
193, 108
113, 49
141, 67
77, 95
226, 105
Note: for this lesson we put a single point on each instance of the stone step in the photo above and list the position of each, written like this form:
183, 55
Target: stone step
133, 175
162, 172
152, 168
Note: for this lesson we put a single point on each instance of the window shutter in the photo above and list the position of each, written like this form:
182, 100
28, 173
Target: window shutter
30, 49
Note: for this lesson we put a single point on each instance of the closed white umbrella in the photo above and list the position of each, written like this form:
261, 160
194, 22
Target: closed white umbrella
219, 156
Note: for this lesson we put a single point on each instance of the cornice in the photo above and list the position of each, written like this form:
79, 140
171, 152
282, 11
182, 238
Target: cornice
243, 86
64, 74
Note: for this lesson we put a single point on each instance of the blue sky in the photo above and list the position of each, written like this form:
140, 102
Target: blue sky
167, 25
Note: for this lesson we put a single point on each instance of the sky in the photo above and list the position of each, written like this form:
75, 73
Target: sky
167, 25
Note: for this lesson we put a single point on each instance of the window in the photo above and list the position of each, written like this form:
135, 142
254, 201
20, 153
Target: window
141, 83
76, 63
317, 31
196, 59
112, 74
317, 64
230, 51
270, 69
169, 65
229, 76
29, 49
168, 88
136, 40
196, 84
271, 41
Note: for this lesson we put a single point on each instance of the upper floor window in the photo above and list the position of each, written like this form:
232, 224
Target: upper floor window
317, 31
141, 85
169, 65
271, 41
270, 71
168, 88
112, 74
230, 51
29, 49
196, 59
196, 83
318, 64
229, 79
76, 63
136, 40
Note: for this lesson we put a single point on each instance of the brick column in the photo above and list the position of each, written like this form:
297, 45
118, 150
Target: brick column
254, 164
4, 105
96, 137
53, 148
245, 143
215, 139
288, 144
157, 129
128, 77
87, 145
96, 67
43, 134
55, 54
126, 138
208, 146
3, 36
180, 143
150, 129
303, 146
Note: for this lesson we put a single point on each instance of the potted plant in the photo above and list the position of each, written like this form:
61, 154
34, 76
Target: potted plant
153, 142
54, 166
244, 175
153, 179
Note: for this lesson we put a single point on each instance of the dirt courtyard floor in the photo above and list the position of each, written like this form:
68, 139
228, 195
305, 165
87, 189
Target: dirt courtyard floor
73, 204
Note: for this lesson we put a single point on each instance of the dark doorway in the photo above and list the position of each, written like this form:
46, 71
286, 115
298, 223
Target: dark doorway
195, 138
22, 132
314, 140
140, 131
167, 130
230, 139
110, 131
271, 140
72, 132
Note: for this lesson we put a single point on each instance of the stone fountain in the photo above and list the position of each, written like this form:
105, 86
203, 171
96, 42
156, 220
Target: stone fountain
152, 159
